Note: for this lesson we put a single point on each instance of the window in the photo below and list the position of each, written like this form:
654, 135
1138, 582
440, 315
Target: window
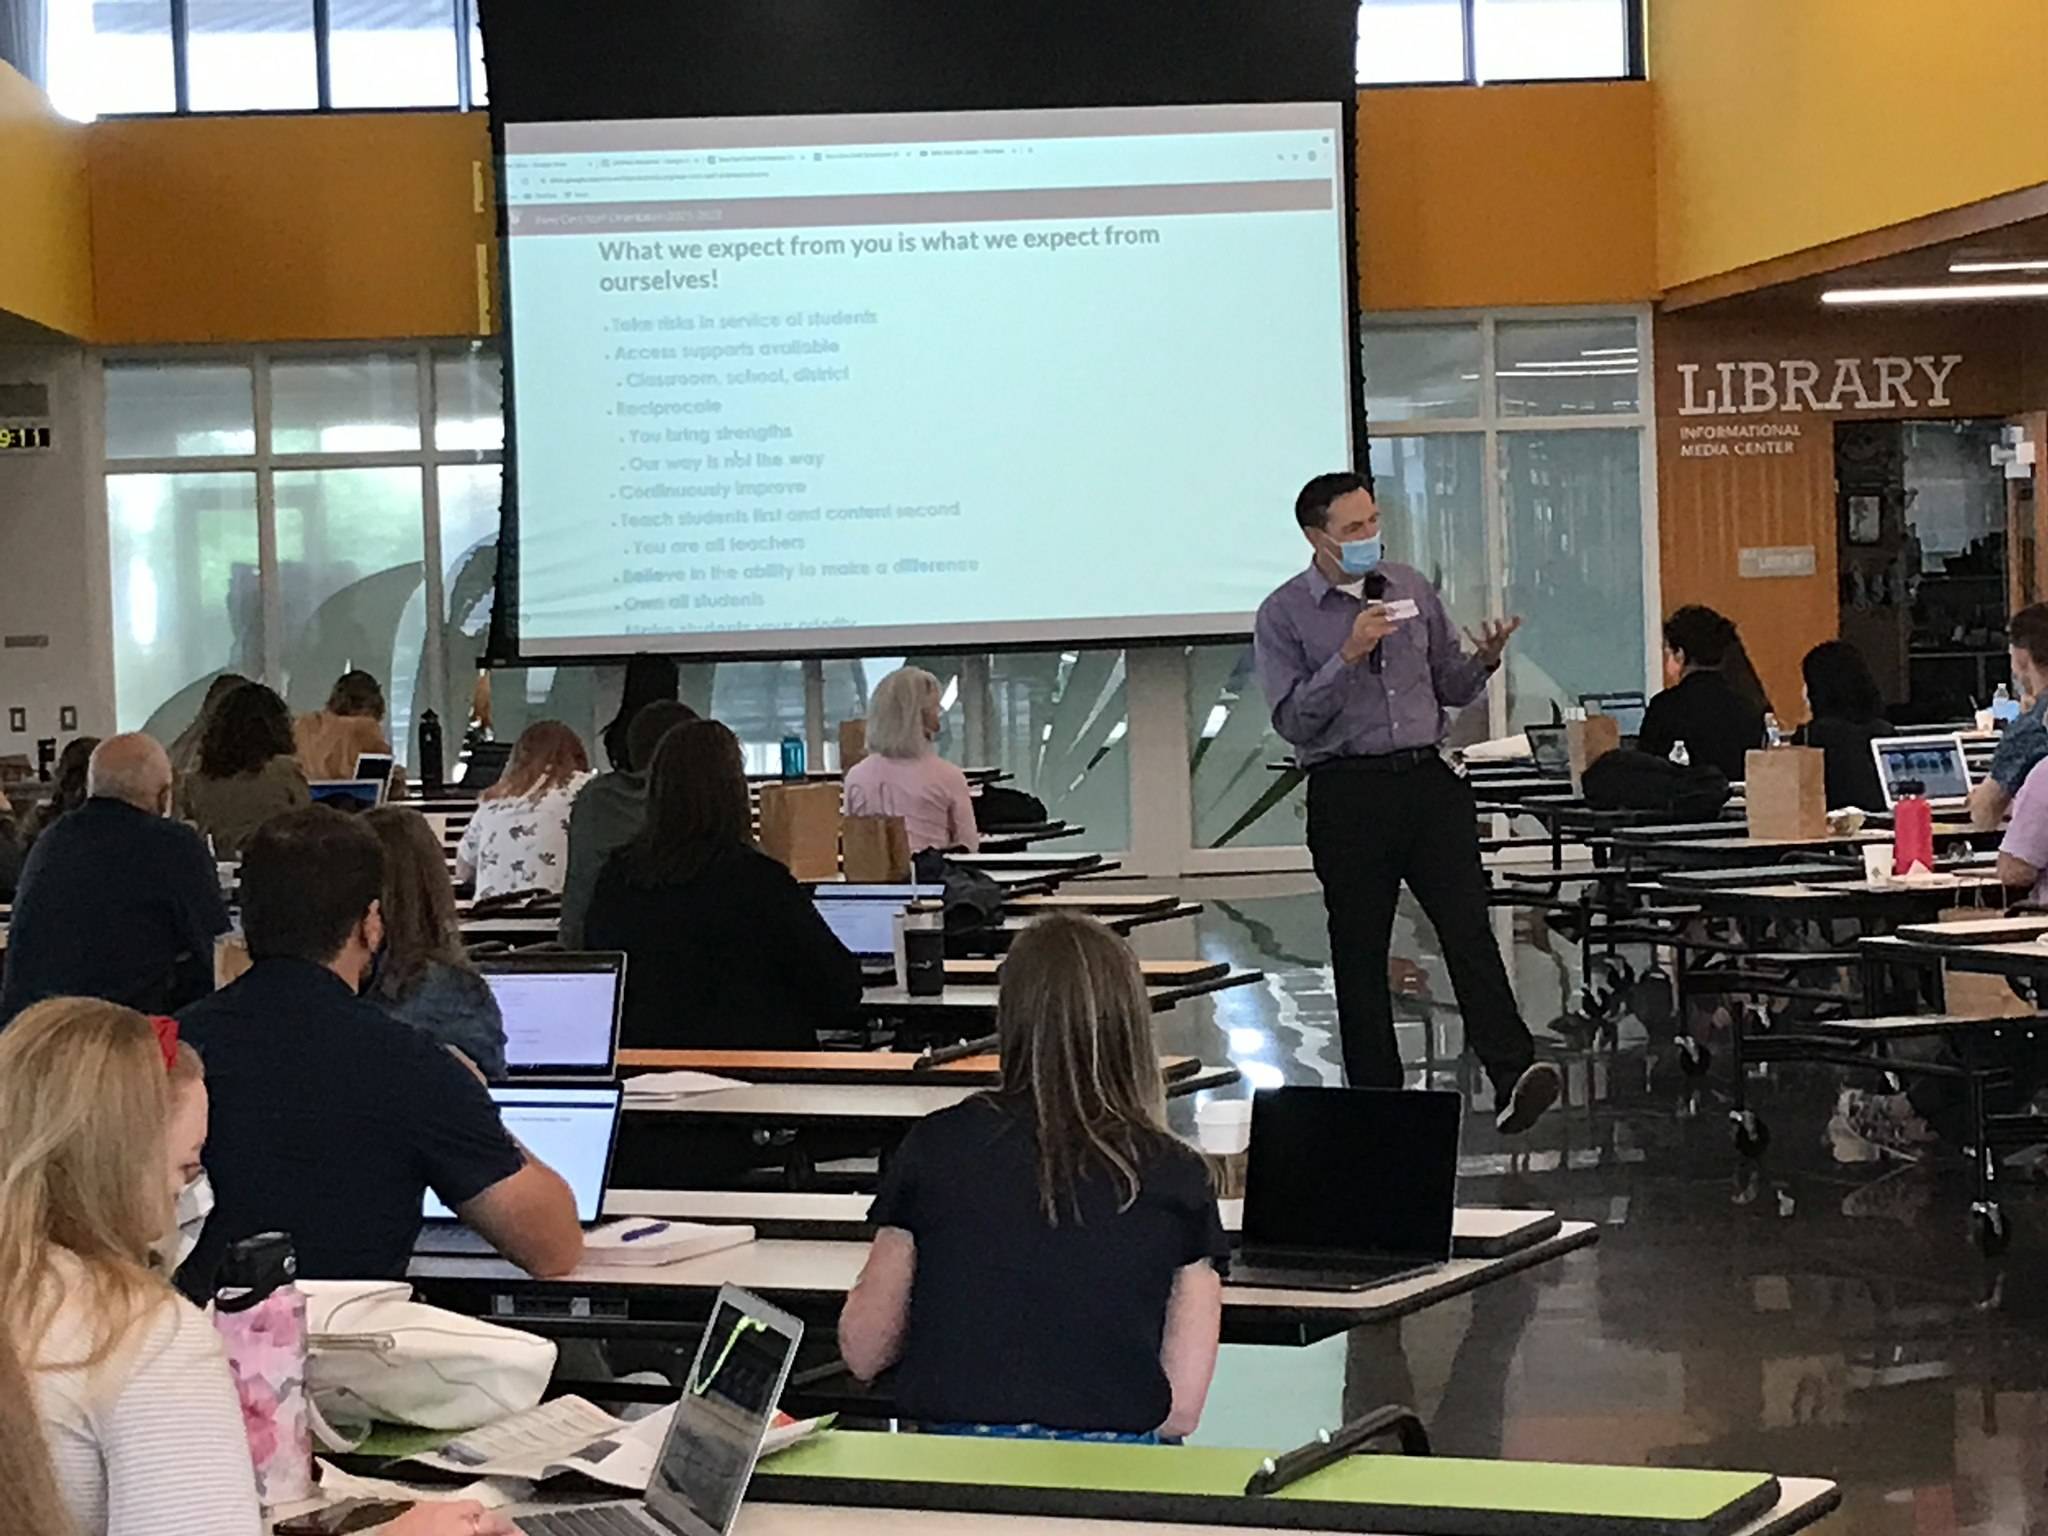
121, 56
110, 56
301, 552
1473, 42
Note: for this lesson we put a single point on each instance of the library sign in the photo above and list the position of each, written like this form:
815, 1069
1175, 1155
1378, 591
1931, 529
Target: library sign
1790, 387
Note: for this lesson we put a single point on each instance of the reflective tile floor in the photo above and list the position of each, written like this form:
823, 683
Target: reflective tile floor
1796, 1317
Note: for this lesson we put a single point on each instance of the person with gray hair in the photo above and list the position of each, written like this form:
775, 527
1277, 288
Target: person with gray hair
903, 774
116, 901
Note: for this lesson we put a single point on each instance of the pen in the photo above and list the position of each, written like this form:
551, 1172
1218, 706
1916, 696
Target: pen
637, 1233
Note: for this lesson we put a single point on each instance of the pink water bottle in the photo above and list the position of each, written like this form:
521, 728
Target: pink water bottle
1912, 834
261, 1317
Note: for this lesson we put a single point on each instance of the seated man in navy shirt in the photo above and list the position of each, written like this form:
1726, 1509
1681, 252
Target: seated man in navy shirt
330, 1119
116, 901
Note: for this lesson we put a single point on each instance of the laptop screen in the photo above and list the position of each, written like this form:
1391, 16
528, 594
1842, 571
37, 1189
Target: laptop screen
1549, 749
865, 925
1625, 709
560, 1016
348, 794
1369, 1172
569, 1129
375, 765
1935, 763
728, 1402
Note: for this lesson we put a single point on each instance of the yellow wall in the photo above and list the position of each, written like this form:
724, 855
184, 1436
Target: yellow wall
1786, 124
45, 234
288, 227
1536, 194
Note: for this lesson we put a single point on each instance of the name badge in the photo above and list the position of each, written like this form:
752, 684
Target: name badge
1402, 608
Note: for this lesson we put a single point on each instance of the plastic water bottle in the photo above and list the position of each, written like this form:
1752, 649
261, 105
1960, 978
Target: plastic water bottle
792, 756
1774, 734
2004, 707
1679, 755
260, 1315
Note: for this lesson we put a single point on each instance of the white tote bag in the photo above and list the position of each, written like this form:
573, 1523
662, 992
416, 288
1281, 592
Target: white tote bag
375, 1354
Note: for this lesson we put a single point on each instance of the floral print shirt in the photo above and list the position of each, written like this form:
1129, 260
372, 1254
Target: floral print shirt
519, 844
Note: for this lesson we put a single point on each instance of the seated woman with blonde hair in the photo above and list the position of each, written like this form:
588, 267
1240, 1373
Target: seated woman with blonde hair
1047, 1256
101, 1119
352, 725
903, 774
518, 840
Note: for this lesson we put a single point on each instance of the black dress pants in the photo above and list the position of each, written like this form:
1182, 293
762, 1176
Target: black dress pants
1373, 824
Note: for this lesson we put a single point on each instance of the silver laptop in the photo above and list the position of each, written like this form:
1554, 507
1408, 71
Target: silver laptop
352, 795
728, 1403
573, 1128
1933, 766
561, 1011
1393, 1155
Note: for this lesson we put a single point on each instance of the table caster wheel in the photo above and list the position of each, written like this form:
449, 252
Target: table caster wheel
1752, 1136
1693, 1057
1990, 1229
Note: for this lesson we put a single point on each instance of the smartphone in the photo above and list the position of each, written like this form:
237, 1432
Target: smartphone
347, 1515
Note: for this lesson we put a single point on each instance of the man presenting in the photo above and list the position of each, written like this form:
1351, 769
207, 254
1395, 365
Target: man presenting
1361, 665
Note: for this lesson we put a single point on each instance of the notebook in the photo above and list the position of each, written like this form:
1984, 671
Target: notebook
561, 1011
1936, 764
573, 1129
728, 1403
1348, 1188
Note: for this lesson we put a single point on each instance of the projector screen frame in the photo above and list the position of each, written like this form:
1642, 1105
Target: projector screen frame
1148, 53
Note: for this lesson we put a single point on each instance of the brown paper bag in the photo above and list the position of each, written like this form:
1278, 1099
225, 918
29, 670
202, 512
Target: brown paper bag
800, 828
1786, 788
1587, 741
853, 743
874, 850
1972, 996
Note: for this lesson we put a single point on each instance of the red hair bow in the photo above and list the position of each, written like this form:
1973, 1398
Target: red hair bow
166, 1039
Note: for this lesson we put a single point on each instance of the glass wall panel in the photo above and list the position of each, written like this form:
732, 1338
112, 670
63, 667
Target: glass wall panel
252, 57
363, 404
178, 410
1421, 373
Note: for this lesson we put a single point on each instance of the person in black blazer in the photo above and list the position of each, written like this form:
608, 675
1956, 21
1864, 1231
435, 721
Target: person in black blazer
1847, 716
1715, 705
724, 950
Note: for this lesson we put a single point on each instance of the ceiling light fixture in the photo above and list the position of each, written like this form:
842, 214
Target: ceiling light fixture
1998, 266
1951, 293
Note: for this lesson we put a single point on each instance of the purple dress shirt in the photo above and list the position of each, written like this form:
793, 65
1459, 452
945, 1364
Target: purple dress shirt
1328, 709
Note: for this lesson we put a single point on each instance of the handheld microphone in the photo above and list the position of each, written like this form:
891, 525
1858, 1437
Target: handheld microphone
1375, 589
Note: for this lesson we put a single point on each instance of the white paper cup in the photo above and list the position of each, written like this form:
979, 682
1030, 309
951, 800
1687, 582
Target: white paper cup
1877, 862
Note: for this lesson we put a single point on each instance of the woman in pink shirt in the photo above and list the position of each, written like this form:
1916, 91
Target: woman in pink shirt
903, 775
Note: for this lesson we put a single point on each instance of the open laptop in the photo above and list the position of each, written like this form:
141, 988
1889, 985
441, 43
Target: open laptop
1548, 747
1348, 1188
574, 1129
1937, 764
863, 917
375, 765
351, 795
561, 1011
728, 1403
1624, 709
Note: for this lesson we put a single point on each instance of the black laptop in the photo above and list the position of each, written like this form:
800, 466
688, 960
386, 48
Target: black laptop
1348, 1188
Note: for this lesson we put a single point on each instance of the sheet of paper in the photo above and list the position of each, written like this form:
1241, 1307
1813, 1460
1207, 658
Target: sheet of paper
676, 1085
336, 1485
528, 1444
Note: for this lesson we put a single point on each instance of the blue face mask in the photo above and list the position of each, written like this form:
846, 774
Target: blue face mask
1359, 557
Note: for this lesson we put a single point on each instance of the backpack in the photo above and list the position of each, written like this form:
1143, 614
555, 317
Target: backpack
1627, 780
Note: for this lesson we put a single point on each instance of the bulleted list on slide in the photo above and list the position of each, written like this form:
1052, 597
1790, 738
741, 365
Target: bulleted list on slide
953, 407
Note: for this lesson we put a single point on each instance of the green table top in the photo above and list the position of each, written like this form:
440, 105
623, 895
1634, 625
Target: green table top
1504, 1494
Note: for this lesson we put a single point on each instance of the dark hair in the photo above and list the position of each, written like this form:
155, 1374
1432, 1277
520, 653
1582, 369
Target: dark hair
697, 805
421, 927
1740, 673
72, 763
2029, 632
648, 679
356, 693
1699, 634
249, 728
653, 722
308, 877
1839, 684
1312, 506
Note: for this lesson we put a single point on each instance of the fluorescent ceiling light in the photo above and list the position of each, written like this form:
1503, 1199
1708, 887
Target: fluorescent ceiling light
1998, 266
1949, 293
1607, 351
1566, 373
1579, 362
